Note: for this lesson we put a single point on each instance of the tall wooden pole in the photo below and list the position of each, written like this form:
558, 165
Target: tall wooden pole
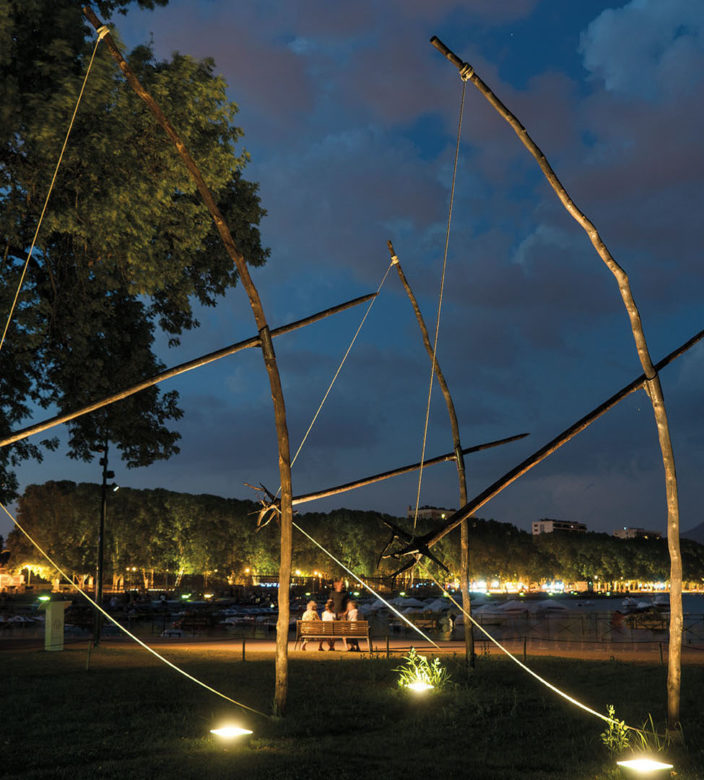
268, 354
459, 458
653, 387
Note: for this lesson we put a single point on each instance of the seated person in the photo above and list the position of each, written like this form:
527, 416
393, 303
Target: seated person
329, 616
311, 613
352, 614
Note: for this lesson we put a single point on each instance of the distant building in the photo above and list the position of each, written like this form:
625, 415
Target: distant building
550, 526
430, 513
636, 533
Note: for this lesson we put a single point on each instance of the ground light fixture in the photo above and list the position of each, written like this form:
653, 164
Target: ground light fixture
420, 686
643, 765
229, 731
45, 598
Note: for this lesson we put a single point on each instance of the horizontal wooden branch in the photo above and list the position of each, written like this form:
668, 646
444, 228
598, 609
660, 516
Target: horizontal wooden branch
182, 368
493, 490
403, 470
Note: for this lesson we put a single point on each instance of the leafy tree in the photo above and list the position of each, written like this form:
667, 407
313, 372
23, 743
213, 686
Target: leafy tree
126, 246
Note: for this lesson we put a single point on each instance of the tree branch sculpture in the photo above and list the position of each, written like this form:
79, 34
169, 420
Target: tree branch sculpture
652, 384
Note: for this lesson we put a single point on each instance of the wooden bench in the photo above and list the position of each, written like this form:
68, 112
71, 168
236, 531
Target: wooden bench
308, 630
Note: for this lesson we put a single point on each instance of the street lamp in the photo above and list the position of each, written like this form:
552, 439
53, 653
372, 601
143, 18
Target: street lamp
107, 475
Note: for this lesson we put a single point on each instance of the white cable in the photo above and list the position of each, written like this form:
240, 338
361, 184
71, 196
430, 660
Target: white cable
48, 195
364, 585
440, 299
545, 682
121, 627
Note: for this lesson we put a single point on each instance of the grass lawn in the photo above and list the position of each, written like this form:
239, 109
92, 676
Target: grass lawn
128, 716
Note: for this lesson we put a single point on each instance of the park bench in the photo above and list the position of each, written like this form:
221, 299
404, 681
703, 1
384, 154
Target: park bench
309, 630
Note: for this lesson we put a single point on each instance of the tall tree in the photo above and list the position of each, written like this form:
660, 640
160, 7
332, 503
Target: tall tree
126, 246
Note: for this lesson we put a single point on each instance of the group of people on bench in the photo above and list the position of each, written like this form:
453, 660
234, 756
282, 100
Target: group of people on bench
338, 607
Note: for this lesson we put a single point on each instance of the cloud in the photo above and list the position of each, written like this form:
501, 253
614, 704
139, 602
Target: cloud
647, 49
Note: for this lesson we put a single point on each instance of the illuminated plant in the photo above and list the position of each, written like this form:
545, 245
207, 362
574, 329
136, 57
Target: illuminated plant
650, 740
616, 736
419, 674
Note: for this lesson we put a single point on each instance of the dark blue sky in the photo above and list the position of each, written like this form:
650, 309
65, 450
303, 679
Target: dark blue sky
350, 116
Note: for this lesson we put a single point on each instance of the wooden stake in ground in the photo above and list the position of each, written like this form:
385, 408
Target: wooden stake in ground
652, 386
268, 354
459, 457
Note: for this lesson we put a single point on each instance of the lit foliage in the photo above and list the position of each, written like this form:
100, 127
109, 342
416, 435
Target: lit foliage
616, 736
199, 534
418, 669
126, 245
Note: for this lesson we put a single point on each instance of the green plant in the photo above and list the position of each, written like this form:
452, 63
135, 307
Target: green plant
418, 669
616, 736
649, 739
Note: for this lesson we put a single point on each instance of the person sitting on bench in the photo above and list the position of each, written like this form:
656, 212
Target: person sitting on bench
311, 613
328, 616
352, 614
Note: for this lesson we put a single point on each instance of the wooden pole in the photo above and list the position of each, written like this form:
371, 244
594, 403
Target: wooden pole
652, 384
211, 357
459, 459
333, 491
540, 455
277, 396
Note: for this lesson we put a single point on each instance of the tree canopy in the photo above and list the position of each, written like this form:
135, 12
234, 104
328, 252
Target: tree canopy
202, 534
126, 248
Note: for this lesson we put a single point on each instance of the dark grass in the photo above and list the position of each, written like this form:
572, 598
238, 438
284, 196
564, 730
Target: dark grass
127, 716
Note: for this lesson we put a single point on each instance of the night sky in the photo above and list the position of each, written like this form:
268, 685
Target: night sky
350, 118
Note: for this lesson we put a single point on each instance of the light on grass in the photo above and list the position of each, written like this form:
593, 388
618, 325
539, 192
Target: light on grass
420, 686
230, 732
644, 765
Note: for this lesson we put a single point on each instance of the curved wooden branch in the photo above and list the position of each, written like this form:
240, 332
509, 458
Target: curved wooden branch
652, 382
267, 353
459, 459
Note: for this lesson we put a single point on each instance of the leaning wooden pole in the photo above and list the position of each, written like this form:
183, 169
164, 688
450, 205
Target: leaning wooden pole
268, 354
545, 451
459, 457
170, 373
652, 387
334, 491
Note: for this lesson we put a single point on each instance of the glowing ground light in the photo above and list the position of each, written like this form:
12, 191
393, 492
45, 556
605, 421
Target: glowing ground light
230, 732
420, 686
644, 765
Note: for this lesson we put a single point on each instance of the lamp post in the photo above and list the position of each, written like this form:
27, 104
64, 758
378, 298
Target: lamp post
101, 542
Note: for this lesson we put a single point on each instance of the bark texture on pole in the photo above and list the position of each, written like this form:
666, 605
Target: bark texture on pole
652, 382
170, 373
459, 457
269, 361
